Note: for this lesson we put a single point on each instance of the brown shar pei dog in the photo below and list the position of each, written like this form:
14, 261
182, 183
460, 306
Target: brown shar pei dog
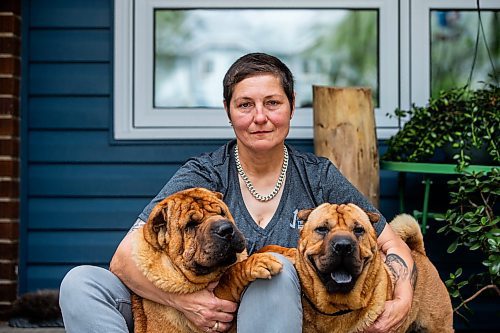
344, 280
189, 241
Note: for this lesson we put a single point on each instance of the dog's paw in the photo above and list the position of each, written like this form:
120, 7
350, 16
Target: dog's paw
264, 265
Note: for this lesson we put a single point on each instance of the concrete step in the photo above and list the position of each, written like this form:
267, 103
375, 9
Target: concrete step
5, 328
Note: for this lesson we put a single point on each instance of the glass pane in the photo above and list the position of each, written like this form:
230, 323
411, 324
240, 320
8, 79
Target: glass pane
194, 49
453, 39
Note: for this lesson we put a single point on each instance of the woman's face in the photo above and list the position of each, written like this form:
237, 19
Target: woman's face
260, 112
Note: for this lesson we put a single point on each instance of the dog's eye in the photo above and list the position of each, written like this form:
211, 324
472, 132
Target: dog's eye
321, 230
358, 230
191, 225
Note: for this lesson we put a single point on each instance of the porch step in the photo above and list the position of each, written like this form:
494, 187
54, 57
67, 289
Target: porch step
5, 328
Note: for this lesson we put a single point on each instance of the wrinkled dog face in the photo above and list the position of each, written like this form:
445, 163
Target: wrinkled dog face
195, 228
340, 242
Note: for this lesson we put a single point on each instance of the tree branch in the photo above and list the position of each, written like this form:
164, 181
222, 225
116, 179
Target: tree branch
490, 286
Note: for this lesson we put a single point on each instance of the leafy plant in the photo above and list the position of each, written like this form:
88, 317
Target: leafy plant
473, 220
466, 120
459, 117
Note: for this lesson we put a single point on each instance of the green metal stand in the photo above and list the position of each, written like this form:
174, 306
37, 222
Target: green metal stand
427, 169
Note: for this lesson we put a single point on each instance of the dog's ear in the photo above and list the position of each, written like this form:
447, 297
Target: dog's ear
373, 217
155, 230
303, 214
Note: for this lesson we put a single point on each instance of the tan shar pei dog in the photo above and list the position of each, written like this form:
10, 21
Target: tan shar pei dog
344, 280
189, 241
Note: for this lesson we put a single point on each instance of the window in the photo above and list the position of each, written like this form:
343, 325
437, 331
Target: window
453, 36
170, 57
195, 47
443, 34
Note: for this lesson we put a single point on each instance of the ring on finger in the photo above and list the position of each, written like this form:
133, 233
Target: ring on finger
216, 327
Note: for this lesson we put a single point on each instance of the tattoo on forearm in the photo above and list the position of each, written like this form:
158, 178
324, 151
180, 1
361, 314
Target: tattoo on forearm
398, 266
414, 275
399, 269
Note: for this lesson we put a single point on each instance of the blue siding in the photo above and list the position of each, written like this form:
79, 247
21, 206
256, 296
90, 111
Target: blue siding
90, 45
70, 79
70, 113
94, 147
84, 213
81, 195
71, 14
43, 275
81, 190
73, 247
116, 180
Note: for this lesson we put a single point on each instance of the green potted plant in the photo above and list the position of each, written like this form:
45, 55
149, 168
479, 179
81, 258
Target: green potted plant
468, 122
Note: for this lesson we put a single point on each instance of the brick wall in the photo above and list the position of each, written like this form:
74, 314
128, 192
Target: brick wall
10, 75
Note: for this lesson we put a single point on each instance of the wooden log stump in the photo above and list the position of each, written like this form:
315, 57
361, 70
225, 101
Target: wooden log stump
345, 133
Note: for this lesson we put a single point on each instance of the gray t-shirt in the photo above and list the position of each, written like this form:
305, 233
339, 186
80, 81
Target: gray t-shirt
310, 181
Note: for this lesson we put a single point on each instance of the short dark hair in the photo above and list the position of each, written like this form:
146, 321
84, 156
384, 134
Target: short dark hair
253, 64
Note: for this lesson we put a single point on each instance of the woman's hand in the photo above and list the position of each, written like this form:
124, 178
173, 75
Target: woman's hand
204, 310
393, 316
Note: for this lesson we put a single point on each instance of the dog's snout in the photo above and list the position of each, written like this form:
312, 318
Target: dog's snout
343, 246
224, 229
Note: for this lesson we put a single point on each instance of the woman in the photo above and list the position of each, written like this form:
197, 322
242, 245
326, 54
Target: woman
265, 183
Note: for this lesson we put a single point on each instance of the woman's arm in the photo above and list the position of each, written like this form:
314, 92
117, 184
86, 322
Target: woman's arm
399, 260
202, 307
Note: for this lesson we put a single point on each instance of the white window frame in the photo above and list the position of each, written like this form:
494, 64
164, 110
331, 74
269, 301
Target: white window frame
135, 117
420, 72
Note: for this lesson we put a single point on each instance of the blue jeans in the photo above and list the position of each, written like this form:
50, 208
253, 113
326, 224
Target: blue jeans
93, 299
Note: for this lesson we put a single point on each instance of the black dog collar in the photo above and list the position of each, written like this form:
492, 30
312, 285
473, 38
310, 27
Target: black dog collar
337, 313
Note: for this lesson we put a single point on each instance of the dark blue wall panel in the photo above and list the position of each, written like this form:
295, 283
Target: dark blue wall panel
72, 247
94, 147
70, 79
66, 14
41, 276
77, 180
91, 45
85, 213
81, 196
56, 112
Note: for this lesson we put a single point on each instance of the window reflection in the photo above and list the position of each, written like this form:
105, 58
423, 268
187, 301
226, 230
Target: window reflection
194, 48
453, 38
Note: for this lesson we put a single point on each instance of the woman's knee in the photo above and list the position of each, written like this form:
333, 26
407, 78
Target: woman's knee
288, 276
90, 292
284, 285
75, 284
277, 302
79, 278
84, 283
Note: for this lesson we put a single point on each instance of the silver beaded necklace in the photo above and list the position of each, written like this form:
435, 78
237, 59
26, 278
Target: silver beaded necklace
248, 183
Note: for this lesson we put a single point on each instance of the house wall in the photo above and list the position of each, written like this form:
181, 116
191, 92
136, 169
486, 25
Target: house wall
10, 73
81, 190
